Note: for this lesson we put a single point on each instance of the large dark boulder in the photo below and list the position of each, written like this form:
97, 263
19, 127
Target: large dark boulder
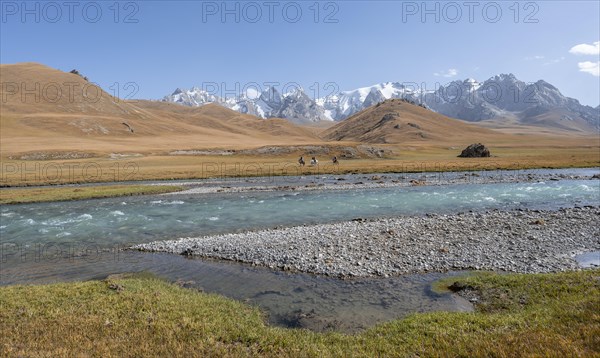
477, 150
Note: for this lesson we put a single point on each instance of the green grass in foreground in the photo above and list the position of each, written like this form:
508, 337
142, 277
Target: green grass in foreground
520, 315
37, 195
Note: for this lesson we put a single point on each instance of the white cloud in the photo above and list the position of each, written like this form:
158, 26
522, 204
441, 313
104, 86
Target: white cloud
592, 68
556, 60
585, 49
450, 73
536, 57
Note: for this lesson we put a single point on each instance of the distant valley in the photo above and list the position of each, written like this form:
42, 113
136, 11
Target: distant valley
169, 140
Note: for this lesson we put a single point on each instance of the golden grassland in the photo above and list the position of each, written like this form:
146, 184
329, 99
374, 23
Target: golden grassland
133, 140
139, 315
45, 194
168, 167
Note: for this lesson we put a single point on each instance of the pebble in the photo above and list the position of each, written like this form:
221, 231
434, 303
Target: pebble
493, 240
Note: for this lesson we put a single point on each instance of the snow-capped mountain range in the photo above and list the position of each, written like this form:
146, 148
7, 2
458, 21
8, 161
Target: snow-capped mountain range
501, 96
296, 105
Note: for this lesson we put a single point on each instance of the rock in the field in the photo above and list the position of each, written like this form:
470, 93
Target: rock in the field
459, 286
115, 287
388, 117
477, 150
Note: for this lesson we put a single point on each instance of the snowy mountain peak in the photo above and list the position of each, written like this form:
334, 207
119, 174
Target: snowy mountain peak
544, 84
499, 96
375, 96
296, 92
271, 96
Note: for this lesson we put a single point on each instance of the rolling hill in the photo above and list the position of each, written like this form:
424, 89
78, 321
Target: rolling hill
63, 113
44, 108
66, 123
397, 121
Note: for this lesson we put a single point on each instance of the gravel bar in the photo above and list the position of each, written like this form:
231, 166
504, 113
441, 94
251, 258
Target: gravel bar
522, 240
376, 181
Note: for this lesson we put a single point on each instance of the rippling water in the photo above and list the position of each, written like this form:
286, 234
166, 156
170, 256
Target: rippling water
143, 219
77, 240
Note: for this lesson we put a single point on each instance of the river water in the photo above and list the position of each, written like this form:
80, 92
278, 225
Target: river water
79, 240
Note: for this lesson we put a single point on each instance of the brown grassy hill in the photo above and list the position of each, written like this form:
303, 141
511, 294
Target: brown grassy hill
71, 113
398, 122
215, 117
556, 123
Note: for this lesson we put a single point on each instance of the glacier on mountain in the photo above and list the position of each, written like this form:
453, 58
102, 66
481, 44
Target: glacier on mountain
500, 96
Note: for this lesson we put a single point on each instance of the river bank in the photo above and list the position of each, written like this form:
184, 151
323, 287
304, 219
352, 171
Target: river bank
378, 181
516, 315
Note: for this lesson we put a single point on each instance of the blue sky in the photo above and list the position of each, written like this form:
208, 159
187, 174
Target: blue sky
348, 44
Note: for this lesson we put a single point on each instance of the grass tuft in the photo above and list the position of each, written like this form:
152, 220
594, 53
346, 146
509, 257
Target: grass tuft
144, 316
47, 194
